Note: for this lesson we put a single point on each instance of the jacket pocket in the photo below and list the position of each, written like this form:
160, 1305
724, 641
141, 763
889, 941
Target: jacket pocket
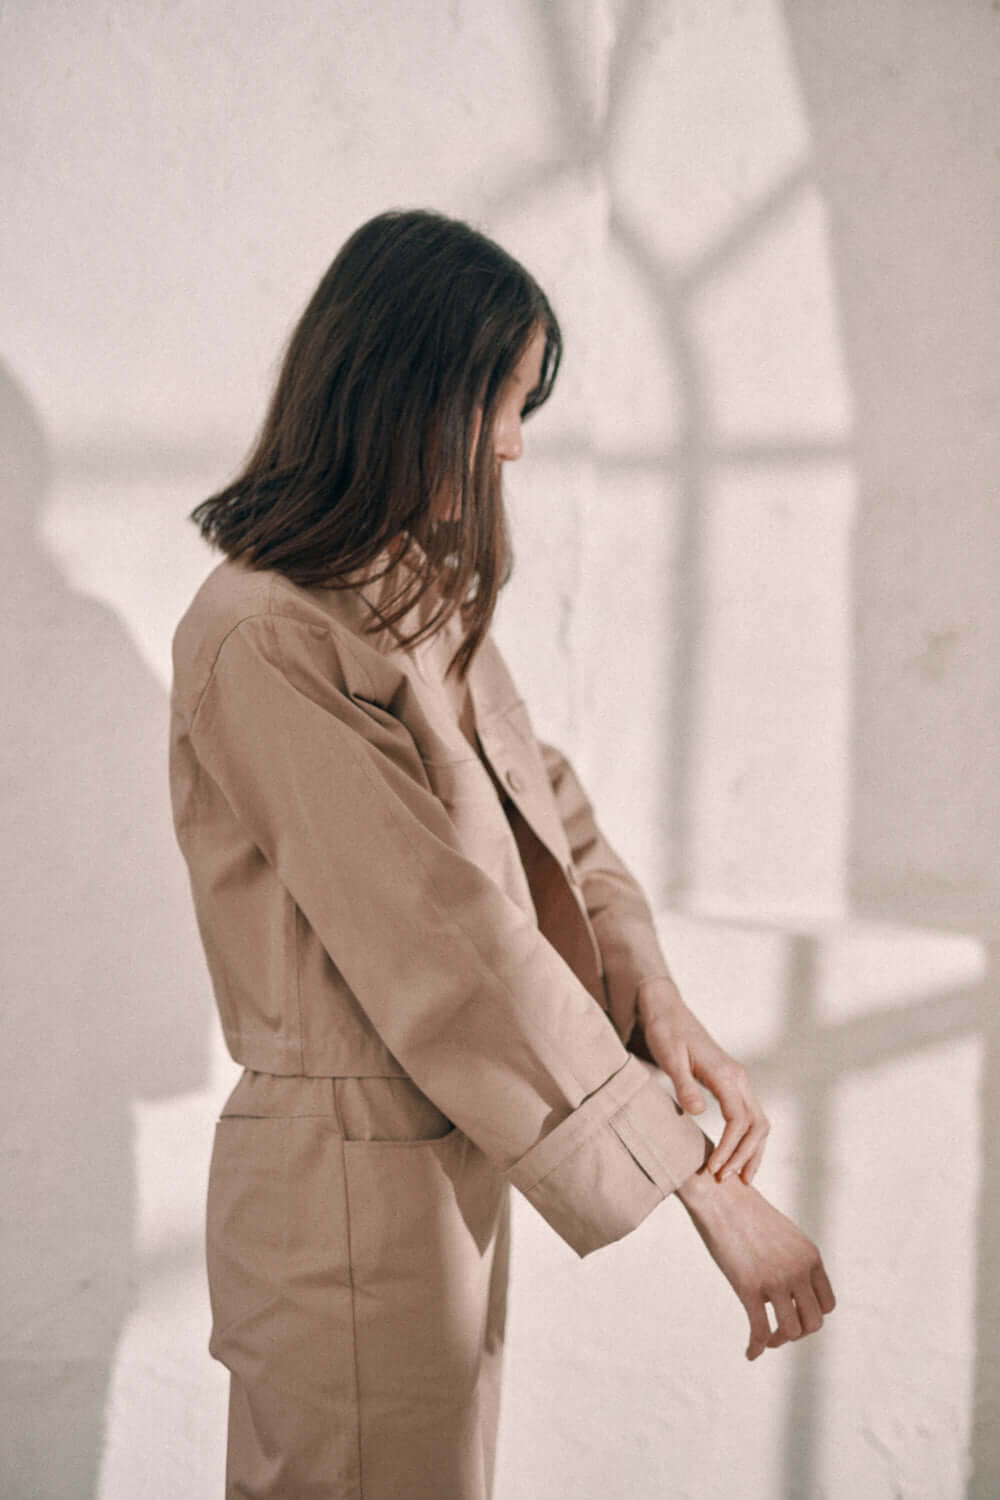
461, 783
246, 1222
475, 807
424, 1220
278, 1261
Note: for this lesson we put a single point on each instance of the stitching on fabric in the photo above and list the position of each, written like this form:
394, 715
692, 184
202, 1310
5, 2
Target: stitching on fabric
215, 659
354, 1315
635, 1143
652, 1150
583, 1134
265, 609
632, 1140
297, 970
338, 635
338, 1117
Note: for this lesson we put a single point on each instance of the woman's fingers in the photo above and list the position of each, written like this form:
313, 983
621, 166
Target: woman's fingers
810, 1313
822, 1287
744, 1137
678, 1068
730, 1138
787, 1318
760, 1328
798, 1305
676, 1040
797, 1313
750, 1150
752, 1165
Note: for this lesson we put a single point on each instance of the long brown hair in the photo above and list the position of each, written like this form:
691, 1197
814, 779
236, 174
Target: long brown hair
413, 330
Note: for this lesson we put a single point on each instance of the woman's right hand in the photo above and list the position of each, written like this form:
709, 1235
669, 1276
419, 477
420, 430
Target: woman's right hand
668, 1034
763, 1256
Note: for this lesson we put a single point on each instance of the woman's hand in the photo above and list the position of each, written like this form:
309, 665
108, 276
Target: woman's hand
763, 1256
669, 1035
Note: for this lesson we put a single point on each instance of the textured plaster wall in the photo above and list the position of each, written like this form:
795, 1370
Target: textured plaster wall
757, 526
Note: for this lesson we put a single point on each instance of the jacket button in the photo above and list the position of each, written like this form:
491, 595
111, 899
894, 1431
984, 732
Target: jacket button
514, 781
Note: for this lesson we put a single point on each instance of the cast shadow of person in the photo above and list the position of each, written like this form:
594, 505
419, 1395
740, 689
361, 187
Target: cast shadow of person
103, 1000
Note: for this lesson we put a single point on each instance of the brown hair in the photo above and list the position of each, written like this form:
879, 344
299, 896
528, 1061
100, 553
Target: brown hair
417, 323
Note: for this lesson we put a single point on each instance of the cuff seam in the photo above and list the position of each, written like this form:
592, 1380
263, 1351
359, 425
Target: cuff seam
615, 1094
636, 1141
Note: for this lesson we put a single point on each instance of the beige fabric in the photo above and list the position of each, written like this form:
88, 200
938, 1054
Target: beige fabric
425, 955
357, 1250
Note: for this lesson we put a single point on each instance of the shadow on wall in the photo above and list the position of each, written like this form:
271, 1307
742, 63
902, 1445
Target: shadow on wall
99, 1006
904, 133
904, 130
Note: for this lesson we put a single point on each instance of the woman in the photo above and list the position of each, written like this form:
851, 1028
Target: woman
438, 976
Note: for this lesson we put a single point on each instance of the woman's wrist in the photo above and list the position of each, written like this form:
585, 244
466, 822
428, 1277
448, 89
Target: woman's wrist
655, 999
710, 1202
695, 1190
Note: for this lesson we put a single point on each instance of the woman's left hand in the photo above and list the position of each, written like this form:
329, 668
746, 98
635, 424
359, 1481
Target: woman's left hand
669, 1035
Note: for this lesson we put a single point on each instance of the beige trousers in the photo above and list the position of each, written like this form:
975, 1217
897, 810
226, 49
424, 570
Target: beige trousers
357, 1251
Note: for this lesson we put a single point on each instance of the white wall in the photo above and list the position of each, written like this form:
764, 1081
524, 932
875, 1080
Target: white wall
770, 467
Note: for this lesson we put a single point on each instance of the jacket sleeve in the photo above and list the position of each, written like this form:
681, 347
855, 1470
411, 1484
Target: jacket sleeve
477, 1006
618, 910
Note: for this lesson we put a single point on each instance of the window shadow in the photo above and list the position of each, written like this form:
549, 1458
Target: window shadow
908, 187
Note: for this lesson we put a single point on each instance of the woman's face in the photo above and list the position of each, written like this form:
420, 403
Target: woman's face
508, 440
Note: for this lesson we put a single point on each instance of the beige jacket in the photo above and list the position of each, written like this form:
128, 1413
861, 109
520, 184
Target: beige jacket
378, 900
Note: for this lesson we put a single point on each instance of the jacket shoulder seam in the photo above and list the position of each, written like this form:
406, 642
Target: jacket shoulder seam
251, 614
268, 612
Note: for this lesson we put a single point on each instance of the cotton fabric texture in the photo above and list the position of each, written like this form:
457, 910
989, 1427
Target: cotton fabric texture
425, 955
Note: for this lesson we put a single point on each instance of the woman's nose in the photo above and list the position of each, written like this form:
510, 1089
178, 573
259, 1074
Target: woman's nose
509, 442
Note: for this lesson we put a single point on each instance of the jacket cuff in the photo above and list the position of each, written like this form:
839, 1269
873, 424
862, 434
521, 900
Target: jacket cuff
620, 1153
